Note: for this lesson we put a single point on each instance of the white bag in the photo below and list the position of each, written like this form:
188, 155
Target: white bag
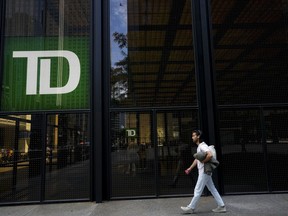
213, 151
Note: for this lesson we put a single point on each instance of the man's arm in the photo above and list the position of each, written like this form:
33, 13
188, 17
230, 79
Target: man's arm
192, 166
208, 157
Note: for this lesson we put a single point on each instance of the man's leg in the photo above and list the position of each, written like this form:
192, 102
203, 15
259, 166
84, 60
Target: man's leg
211, 187
201, 182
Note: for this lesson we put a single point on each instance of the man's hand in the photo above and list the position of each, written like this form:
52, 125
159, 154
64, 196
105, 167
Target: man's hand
187, 171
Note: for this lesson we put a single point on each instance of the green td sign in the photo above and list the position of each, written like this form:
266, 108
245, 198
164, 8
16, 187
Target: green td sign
45, 74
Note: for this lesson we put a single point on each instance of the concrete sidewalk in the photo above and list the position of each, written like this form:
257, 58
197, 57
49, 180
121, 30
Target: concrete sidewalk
265, 204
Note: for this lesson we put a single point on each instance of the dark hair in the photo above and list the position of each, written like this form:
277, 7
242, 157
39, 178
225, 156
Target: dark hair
198, 133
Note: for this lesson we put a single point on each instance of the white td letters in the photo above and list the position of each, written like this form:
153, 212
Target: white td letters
45, 70
131, 132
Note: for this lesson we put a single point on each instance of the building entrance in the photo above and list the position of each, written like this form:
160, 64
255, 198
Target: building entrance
149, 152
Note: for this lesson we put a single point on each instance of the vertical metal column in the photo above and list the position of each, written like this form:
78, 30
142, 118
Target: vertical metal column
2, 18
2, 27
264, 147
43, 160
107, 180
156, 155
138, 127
204, 67
97, 101
16, 155
1, 21
202, 38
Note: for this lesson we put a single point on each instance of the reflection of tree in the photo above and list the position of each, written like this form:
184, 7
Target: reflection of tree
119, 73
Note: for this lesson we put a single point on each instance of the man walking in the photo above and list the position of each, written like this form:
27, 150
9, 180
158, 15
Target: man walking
203, 178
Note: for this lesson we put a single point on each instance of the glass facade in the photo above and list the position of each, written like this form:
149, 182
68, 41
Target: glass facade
152, 66
45, 76
98, 98
250, 55
250, 51
65, 157
241, 137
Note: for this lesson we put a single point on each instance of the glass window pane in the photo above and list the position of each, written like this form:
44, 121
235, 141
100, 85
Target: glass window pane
276, 121
242, 161
152, 56
132, 155
20, 158
175, 151
67, 157
250, 51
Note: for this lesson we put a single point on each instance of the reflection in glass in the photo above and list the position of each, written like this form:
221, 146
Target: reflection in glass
132, 155
152, 56
242, 158
276, 121
20, 158
175, 151
250, 51
67, 157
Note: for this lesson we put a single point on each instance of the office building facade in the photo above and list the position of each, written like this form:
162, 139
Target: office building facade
99, 98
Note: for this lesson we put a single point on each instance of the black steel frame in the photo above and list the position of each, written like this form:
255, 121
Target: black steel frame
2, 26
205, 75
204, 68
97, 100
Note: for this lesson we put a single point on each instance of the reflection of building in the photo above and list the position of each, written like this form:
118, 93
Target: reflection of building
11, 127
159, 69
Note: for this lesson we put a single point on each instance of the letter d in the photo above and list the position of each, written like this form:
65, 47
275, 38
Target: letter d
45, 69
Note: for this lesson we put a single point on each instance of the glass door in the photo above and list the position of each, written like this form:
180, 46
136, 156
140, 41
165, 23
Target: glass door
175, 151
150, 151
132, 154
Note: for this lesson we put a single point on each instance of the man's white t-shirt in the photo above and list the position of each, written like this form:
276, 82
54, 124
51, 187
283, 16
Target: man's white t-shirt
202, 147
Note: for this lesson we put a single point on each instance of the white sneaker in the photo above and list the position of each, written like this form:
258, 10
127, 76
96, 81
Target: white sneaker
219, 209
187, 209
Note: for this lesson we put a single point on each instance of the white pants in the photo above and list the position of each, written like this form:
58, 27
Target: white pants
205, 180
